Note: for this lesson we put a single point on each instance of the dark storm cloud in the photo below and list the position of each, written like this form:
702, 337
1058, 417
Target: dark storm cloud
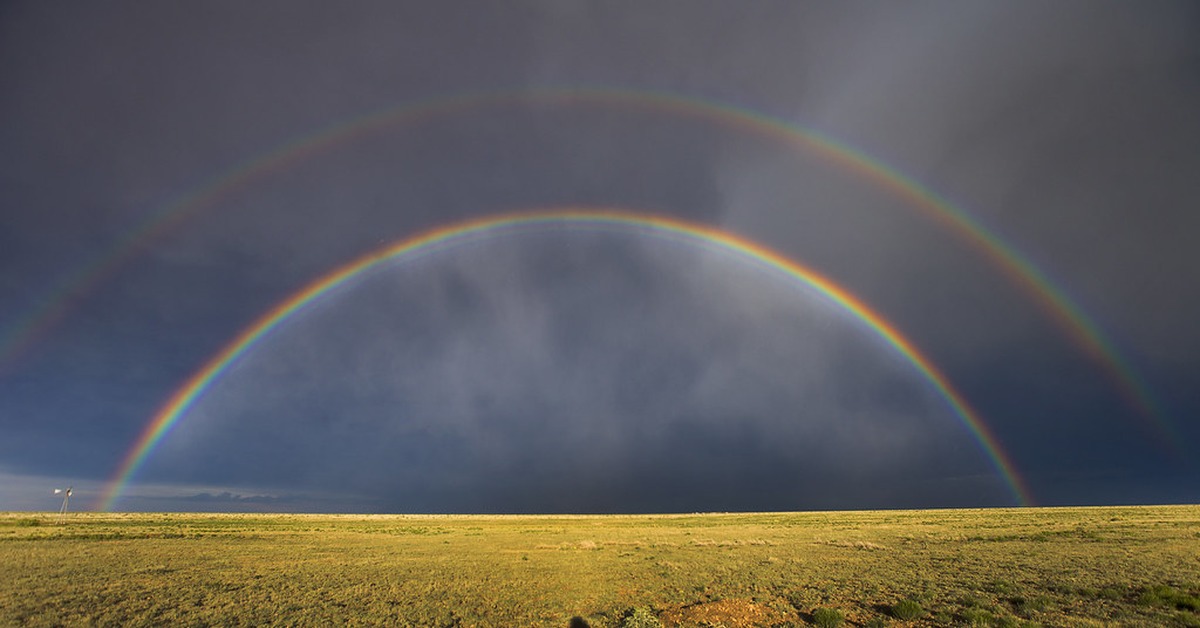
685, 383
1033, 119
1070, 133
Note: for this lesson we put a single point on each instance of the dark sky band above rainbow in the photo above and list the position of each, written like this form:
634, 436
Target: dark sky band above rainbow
440, 239
64, 295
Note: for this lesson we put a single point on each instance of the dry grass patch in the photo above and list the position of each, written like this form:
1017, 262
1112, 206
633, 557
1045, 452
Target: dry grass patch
863, 545
1051, 566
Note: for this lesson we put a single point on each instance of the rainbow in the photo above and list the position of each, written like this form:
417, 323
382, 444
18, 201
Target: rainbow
63, 295
441, 238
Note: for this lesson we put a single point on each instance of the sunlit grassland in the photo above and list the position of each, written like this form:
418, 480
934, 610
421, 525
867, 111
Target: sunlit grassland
1062, 566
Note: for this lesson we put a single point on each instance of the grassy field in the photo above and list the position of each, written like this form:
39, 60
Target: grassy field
1052, 567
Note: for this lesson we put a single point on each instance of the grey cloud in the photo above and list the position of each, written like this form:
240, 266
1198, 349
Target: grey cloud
587, 369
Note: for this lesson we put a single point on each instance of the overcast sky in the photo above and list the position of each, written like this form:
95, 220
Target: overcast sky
597, 371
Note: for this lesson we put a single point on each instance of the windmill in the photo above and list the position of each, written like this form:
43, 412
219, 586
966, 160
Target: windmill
62, 512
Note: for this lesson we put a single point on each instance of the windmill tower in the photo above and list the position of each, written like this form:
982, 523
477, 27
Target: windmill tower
62, 512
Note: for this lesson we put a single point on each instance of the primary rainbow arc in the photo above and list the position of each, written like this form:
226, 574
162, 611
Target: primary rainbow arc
186, 395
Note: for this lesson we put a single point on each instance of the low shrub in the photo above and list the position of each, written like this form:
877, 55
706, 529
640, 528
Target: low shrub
1027, 607
977, 617
827, 618
1188, 620
972, 601
640, 617
907, 609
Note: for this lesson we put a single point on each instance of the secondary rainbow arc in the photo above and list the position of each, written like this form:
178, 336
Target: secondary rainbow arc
177, 405
57, 301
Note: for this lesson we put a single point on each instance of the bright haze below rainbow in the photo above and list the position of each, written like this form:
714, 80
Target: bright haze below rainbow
597, 258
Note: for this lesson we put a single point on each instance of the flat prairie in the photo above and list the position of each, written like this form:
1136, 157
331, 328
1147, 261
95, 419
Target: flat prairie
991, 567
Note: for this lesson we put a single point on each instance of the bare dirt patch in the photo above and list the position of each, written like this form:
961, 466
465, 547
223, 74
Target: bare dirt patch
732, 613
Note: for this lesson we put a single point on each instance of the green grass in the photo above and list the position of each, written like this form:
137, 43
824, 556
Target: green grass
1005, 567
1164, 595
